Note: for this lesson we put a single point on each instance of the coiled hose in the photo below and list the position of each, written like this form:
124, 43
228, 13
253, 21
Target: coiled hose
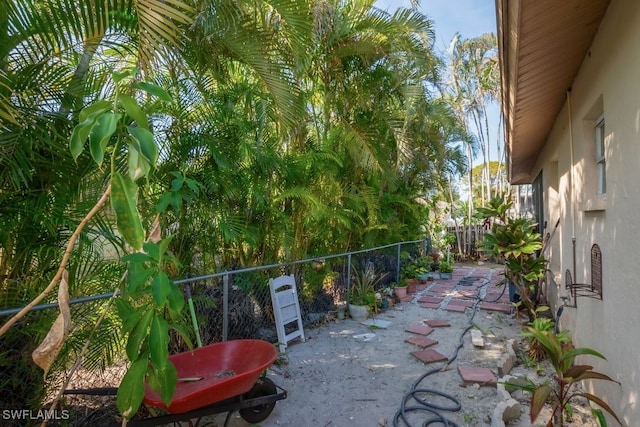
419, 394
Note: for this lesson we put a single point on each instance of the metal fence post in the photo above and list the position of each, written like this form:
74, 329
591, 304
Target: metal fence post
225, 307
348, 275
398, 264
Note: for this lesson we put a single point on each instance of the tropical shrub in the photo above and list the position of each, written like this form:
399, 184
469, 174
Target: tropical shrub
516, 241
563, 391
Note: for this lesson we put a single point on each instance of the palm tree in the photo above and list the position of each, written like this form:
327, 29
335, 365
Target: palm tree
475, 83
55, 60
298, 128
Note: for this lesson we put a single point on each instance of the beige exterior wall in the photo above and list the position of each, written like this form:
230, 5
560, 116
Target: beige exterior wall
608, 83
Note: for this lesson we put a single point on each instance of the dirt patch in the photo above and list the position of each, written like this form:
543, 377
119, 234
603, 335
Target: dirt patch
348, 374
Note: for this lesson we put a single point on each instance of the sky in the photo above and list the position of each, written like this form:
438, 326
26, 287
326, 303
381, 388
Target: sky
470, 18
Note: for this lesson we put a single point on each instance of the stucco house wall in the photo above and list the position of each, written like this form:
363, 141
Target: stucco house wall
608, 85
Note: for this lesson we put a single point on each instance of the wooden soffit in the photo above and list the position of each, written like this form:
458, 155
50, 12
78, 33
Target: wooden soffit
542, 44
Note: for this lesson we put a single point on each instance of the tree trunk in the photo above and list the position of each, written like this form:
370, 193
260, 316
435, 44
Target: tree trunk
73, 95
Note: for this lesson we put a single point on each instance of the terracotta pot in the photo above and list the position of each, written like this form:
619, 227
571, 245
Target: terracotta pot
412, 286
400, 291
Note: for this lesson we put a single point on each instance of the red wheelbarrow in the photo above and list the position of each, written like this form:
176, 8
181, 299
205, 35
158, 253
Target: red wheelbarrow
217, 378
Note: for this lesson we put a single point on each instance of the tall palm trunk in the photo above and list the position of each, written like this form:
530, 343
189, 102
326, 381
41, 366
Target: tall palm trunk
73, 97
470, 207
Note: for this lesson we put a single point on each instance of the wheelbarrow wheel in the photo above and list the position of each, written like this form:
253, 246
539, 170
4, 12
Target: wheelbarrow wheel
255, 414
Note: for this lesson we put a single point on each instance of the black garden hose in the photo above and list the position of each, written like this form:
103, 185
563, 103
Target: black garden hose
421, 404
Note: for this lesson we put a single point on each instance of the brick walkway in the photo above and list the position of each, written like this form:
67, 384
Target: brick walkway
457, 294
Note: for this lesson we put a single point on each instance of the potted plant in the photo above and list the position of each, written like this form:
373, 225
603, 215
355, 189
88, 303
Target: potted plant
445, 269
362, 296
423, 265
409, 273
401, 289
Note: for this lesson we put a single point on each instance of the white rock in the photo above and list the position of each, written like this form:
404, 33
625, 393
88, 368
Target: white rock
476, 338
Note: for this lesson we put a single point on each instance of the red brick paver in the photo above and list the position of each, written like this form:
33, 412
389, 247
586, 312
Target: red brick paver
430, 305
434, 300
421, 341
464, 303
436, 323
490, 306
474, 374
419, 329
428, 356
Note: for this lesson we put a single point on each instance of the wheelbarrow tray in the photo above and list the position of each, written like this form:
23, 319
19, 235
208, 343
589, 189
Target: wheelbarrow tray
215, 373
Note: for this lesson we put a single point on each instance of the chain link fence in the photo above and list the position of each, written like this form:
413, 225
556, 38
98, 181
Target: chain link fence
228, 305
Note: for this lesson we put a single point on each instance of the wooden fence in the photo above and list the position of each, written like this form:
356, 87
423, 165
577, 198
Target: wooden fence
467, 238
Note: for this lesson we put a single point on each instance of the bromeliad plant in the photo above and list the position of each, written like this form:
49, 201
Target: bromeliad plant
560, 394
363, 289
536, 351
516, 241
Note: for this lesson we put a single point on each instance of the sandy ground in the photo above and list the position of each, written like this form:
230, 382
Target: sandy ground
338, 378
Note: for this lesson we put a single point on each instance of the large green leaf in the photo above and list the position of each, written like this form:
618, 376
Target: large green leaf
154, 90
87, 117
138, 335
167, 378
160, 288
79, 136
148, 147
163, 246
134, 110
153, 251
571, 354
124, 201
137, 277
131, 390
101, 132
97, 107
159, 341
129, 315
138, 166
137, 257
143, 152
175, 300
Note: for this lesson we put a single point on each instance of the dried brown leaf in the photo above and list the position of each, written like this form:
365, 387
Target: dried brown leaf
45, 354
156, 231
